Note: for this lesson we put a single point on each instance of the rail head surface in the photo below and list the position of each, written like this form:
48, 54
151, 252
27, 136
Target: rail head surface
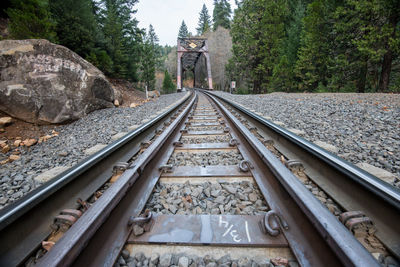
372, 183
342, 242
12, 212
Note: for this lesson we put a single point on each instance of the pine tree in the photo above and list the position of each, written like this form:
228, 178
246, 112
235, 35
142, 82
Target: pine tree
168, 85
258, 32
30, 19
183, 31
76, 25
311, 68
221, 14
149, 59
122, 37
283, 78
204, 21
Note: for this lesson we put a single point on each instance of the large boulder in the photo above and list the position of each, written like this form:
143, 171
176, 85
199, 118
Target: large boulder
41, 82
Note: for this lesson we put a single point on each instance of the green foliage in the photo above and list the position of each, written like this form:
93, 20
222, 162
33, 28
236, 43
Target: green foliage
76, 26
30, 19
242, 91
325, 45
222, 14
204, 23
258, 32
122, 37
183, 31
311, 67
149, 59
168, 86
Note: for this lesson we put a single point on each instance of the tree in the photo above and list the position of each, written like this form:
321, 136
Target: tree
283, 77
168, 85
222, 14
204, 21
76, 25
149, 58
122, 38
311, 68
30, 19
258, 32
183, 31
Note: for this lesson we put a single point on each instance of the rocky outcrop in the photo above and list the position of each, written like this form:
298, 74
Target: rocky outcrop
41, 82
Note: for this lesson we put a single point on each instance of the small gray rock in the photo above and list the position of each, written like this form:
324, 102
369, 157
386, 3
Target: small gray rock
183, 262
139, 256
125, 254
154, 258
244, 262
165, 260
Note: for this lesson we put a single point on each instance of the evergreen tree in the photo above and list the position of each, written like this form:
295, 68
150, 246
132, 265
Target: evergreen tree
311, 68
122, 37
222, 14
76, 25
149, 59
348, 65
283, 78
30, 19
204, 21
183, 31
364, 38
113, 32
168, 85
258, 32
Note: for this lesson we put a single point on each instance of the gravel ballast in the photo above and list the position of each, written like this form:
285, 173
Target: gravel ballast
207, 198
206, 158
185, 260
363, 128
68, 148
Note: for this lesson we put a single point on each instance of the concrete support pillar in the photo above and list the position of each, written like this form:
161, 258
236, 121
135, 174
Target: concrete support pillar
209, 75
210, 83
179, 71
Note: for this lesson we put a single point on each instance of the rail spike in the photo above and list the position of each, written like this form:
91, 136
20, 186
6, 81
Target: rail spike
233, 142
272, 223
245, 166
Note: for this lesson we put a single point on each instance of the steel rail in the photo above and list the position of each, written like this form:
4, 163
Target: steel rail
106, 241
353, 188
87, 229
25, 223
375, 185
347, 249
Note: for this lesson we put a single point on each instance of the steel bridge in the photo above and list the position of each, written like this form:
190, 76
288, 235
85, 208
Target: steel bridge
189, 52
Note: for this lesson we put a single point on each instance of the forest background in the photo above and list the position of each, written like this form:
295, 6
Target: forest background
265, 46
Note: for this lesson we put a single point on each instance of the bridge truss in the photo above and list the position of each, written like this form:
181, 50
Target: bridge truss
189, 52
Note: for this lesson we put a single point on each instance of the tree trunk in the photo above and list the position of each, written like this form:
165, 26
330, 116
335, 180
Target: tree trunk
388, 57
362, 77
256, 86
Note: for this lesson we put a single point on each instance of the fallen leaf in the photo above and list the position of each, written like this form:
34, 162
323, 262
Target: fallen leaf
17, 143
5, 149
13, 158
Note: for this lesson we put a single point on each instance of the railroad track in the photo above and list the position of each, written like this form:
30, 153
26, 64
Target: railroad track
216, 176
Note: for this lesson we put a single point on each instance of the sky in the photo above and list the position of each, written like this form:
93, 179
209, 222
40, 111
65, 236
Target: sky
166, 16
